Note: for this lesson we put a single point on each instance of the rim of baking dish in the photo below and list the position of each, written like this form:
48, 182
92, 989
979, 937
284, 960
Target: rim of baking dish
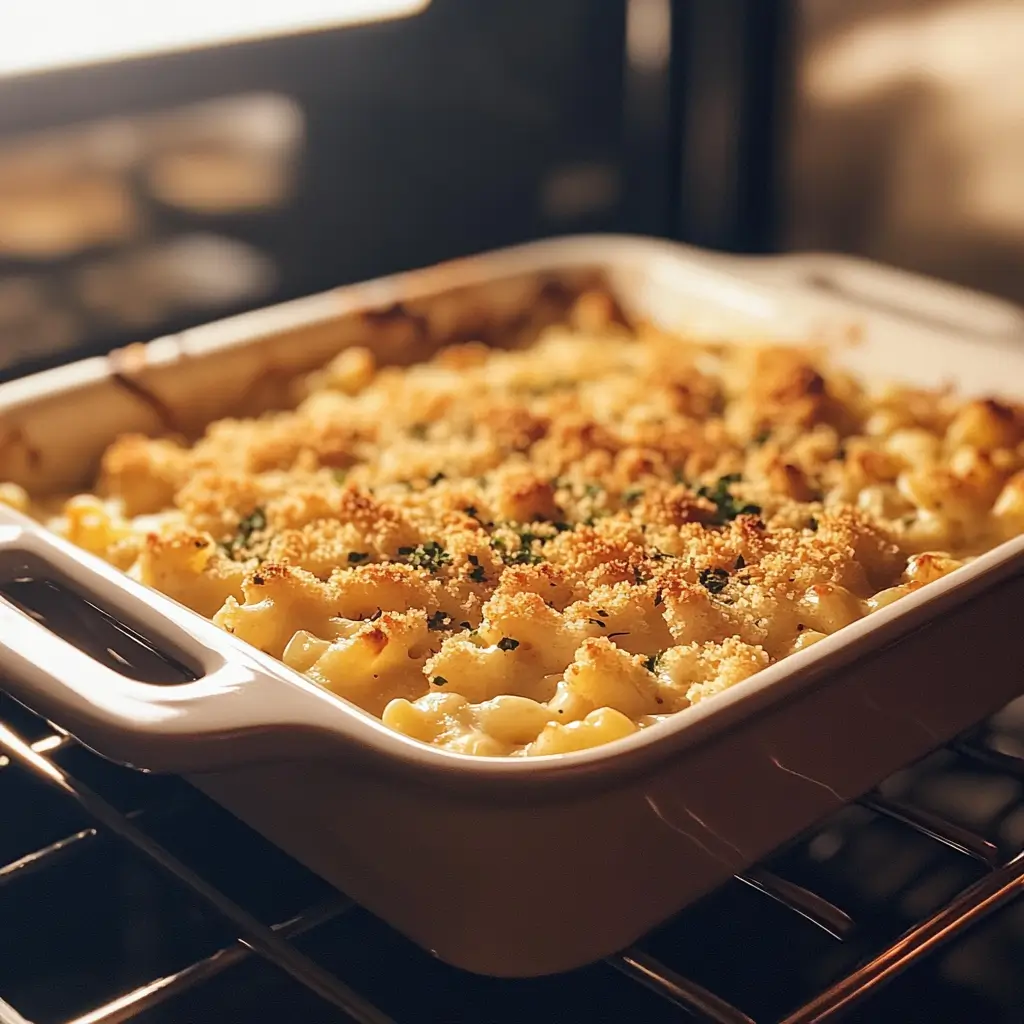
726, 285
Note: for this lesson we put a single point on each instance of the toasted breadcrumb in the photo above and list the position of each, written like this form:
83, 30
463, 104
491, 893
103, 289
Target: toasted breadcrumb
539, 550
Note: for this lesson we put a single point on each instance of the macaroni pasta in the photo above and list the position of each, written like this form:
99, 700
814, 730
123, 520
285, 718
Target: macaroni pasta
540, 550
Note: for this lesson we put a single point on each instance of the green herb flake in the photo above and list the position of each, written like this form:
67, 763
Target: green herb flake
713, 580
651, 662
812, 524
598, 622
741, 562
355, 557
255, 521
439, 681
436, 479
340, 475
438, 620
525, 555
727, 507
763, 437
632, 495
506, 643
430, 556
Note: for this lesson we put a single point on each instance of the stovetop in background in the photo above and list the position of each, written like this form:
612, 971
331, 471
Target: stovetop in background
96, 931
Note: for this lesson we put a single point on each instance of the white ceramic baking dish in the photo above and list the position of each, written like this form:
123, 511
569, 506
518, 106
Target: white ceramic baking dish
503, 866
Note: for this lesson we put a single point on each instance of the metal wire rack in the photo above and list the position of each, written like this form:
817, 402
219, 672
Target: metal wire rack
128, 897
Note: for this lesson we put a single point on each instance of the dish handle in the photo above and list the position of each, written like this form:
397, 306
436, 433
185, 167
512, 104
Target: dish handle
233, 704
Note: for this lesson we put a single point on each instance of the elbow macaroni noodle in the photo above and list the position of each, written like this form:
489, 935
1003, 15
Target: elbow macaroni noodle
542, 550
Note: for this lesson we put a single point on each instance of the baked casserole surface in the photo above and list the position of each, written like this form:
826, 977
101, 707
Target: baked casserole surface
539, 550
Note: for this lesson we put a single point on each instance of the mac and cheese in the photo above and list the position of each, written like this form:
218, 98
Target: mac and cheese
540, 550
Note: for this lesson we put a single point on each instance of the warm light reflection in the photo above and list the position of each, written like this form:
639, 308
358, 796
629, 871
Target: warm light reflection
924, 108
46, 745
46, 34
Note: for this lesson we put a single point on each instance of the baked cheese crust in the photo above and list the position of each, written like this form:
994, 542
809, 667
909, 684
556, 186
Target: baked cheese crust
541, 550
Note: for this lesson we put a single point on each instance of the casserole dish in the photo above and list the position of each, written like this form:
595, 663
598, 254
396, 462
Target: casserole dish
524, 866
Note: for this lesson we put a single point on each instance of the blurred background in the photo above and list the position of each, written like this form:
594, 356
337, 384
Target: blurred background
162, 167
907, 140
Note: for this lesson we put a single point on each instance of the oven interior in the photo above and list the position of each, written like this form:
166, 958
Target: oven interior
348, 154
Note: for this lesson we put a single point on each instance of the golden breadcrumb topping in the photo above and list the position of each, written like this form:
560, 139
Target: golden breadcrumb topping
540, 550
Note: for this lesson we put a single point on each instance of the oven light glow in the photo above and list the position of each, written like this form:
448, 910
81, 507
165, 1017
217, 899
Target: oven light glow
39, 35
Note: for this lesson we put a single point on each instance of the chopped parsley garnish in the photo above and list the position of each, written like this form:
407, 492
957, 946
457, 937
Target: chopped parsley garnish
762, 437
439, 680
651, 662
592, 490
659, 599
632, 495
340, 475
741, 562
476, 574
561, 527
438, 620
418, 431
436, 479
358, 556
713, 580
812, 524
525, 555
598, 622
506, 643
466, 625
471, 511
430, 556
727, 507
255, 521
527, 537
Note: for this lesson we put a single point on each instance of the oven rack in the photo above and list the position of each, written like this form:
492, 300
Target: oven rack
39, 751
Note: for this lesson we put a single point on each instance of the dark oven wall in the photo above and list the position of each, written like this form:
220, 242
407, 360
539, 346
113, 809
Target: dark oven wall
145, 196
